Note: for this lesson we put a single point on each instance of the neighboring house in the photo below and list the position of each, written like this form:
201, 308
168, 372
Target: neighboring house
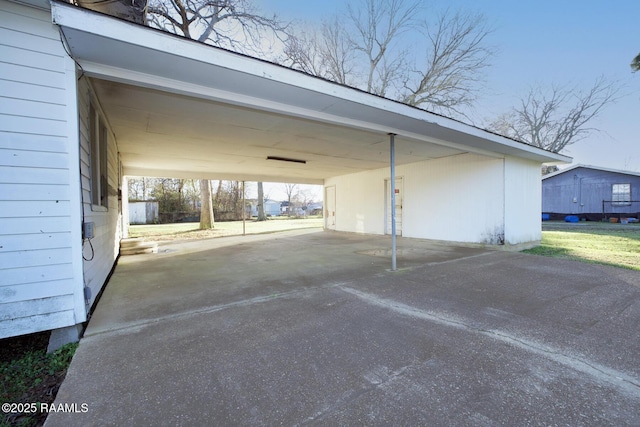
284, 207
88, 99
271, 207
592, 193
314, 208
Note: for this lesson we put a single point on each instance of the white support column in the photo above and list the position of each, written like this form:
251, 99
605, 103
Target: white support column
392, 186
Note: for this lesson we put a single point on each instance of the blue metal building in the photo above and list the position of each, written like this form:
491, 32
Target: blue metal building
591, 193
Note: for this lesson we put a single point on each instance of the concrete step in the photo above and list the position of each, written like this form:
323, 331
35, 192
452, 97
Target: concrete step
137, 245
131, 242
138, 251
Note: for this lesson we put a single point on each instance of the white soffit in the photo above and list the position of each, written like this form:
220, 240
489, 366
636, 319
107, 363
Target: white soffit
254, 91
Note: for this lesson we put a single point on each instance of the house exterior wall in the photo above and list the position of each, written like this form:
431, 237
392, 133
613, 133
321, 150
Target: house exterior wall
40, 223
581, 191
101, 254
522, 198
271, 208
458, 199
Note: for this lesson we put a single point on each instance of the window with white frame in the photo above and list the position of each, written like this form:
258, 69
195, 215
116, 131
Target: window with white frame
98, 141
621, 194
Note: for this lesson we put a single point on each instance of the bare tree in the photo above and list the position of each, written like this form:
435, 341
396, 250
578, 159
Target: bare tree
377, 26
451, 74
302, 199
305, 52
556, 118
192, 193
290, 191
337, 55
360, 50
367, 49
139, 188
325, 52
231, 24
635, 64
206, 209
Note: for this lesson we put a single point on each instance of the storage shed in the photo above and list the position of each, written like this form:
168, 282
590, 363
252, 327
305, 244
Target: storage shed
143, 212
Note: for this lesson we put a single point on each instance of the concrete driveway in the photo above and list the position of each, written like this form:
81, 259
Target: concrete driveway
310, 328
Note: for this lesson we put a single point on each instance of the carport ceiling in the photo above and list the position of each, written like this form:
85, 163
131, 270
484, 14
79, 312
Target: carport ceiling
164, 134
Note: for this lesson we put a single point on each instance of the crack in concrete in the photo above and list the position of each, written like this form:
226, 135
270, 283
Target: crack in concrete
383, 379
138, 325
600, 373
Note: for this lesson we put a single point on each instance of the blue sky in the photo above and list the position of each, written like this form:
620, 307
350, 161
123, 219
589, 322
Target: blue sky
561, 42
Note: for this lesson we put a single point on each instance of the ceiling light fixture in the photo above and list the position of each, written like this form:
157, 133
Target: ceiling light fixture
286, 159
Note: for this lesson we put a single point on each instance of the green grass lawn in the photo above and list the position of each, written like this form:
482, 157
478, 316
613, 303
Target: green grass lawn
610, 245
190, 230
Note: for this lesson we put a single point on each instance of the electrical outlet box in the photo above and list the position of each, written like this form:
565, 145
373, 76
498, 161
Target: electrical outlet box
88, 230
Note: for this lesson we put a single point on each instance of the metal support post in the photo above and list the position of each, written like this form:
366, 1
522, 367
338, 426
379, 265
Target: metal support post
392, 185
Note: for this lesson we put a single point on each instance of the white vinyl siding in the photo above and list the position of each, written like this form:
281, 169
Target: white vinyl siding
39, 276
101, 254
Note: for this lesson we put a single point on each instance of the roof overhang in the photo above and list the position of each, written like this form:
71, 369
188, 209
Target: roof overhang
596, 168
185, 109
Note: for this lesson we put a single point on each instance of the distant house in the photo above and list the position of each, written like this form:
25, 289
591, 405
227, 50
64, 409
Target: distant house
592, 193
314, 208
284, 207
271, 207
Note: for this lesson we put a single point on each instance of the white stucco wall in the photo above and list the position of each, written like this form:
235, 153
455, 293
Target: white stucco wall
459, 199
360, 201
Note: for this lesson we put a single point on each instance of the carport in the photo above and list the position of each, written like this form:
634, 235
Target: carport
312, 328
183, 109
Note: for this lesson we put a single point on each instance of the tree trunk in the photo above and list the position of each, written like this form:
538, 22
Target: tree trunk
218, 192
237, 201
206, 209
261, 215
